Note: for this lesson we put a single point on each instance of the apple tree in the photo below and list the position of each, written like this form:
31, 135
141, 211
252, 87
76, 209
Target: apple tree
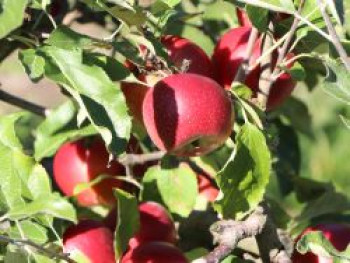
190, 131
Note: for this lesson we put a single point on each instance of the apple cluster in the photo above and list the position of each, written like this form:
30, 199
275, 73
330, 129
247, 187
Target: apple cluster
186, 111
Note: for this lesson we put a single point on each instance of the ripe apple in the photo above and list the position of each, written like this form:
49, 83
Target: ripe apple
228, 56
155, 224
154, 252
206, 188
92, 239
187, 114
82, 161
178, 49
337, 234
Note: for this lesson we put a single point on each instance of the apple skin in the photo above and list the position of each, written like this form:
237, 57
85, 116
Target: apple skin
228, 56
76, 163
185, 108
155, 225
92, 239
243, 19
178, 49
206, 188
134, 95
154, 252
337, 234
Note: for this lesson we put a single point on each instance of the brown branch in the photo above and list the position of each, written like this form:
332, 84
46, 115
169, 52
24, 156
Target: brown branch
243, 69
23, 242
227, 233
334, 36
22, 103
132, 159
268, 77
270, 246
265, 81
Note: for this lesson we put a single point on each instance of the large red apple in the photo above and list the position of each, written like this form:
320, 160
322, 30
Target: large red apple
154, 252
337, 234
206, 188
92, 239
187, 114
179, 49
228, 56
81, 162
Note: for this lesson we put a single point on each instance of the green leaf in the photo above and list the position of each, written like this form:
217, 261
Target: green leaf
65, 38
27, 229
39, 182
298, 115
246, 175
84, 186
297, 72
135, 17
14, 166
258, 16
171, 3
318, 244
337, 83
177, 188
52, 204
234, 259
11, 15
33, 64
8, 135
101, 100
15, 256
115, 70
59, 127
346, 121
322, 206
286, 6
128, 221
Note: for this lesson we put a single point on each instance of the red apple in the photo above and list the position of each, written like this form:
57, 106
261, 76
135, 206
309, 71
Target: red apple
187, 114
155, 224
228, 56
178, 49
134, 95
92, 239
154, 252
81, 162
206, 188
337, 234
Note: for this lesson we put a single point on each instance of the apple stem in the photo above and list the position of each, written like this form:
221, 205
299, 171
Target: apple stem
28, 243
333, 34
132, 159
22, 103
243, 69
